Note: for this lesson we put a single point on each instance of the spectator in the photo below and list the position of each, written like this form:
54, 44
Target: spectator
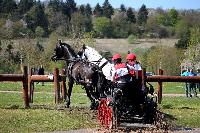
187, 89
198, 74
41, 72
192, 86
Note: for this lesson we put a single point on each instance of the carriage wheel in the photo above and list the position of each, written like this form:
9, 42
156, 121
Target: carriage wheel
151, 112
109, 115
112, 118
102, 112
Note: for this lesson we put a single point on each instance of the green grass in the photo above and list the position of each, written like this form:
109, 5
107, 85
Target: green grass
173, 88
43, 120
45, 116
48, 87
185, 111
170, 87
10, 86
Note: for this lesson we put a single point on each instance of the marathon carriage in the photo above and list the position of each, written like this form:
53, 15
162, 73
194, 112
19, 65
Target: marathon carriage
135, 104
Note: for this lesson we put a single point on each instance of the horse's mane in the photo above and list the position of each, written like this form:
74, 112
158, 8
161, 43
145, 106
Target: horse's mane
70, 49
93, 51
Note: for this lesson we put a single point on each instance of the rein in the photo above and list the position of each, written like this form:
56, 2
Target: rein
100, 61
70, 60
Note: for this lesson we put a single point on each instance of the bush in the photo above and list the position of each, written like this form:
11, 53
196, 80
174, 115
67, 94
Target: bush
39, 32
132, 39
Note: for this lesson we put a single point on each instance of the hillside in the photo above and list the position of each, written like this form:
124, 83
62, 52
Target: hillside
122, 45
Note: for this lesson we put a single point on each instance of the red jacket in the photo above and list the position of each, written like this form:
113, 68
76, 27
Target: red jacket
121, 70
131, 72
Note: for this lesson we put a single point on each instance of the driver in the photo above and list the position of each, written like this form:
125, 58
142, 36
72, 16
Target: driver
120, 74
131, 60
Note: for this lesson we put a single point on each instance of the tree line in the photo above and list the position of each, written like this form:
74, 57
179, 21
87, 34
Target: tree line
40, 19
32, 19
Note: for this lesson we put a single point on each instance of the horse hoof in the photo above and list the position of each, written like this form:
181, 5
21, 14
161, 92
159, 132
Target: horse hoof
66, 106
94, 106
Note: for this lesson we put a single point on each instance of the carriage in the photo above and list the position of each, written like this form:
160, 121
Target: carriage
136, 104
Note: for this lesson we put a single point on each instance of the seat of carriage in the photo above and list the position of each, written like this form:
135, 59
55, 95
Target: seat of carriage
134, 91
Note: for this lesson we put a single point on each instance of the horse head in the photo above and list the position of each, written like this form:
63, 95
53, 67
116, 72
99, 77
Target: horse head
58, 53
63, 51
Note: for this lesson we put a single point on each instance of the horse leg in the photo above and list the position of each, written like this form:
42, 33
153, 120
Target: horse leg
92, 105
70, 85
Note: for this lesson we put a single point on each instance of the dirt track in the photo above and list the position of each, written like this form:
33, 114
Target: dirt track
129, 129
178, 130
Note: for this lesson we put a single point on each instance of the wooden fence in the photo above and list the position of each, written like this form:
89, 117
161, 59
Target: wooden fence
28, 82
162, 78
22, 78
56, 78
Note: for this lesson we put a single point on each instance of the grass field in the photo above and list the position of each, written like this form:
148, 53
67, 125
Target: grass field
122, 45
44, 115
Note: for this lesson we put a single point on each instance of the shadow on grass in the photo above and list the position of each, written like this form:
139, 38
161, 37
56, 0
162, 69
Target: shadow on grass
169, 106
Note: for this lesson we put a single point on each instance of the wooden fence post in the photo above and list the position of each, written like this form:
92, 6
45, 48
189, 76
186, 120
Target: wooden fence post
56, 84
30, 86
64, 89
25, 87
159, 87
144, 77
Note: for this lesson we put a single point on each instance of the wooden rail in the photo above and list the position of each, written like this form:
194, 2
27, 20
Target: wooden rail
11, 77
163, 78
56, 78
28, 82
19, 77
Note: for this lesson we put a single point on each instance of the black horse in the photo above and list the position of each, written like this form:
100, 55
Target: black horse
81, 72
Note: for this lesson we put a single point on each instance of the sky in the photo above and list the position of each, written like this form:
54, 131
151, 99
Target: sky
165, 4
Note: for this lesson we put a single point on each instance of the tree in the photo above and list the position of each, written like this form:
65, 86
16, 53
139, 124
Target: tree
98, 11
120, 24
88, 10
193, 50
55, 5
72, 5
173, 17
57, 21
25, 5
10, 57
181, 27
36, 17
162, 19
82, 9
155, 58
184, 40
130, 15
152, 25
122, 8
8, 6
81, 23
142, 15
103, 27
39, 32
69, 7
107, 9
